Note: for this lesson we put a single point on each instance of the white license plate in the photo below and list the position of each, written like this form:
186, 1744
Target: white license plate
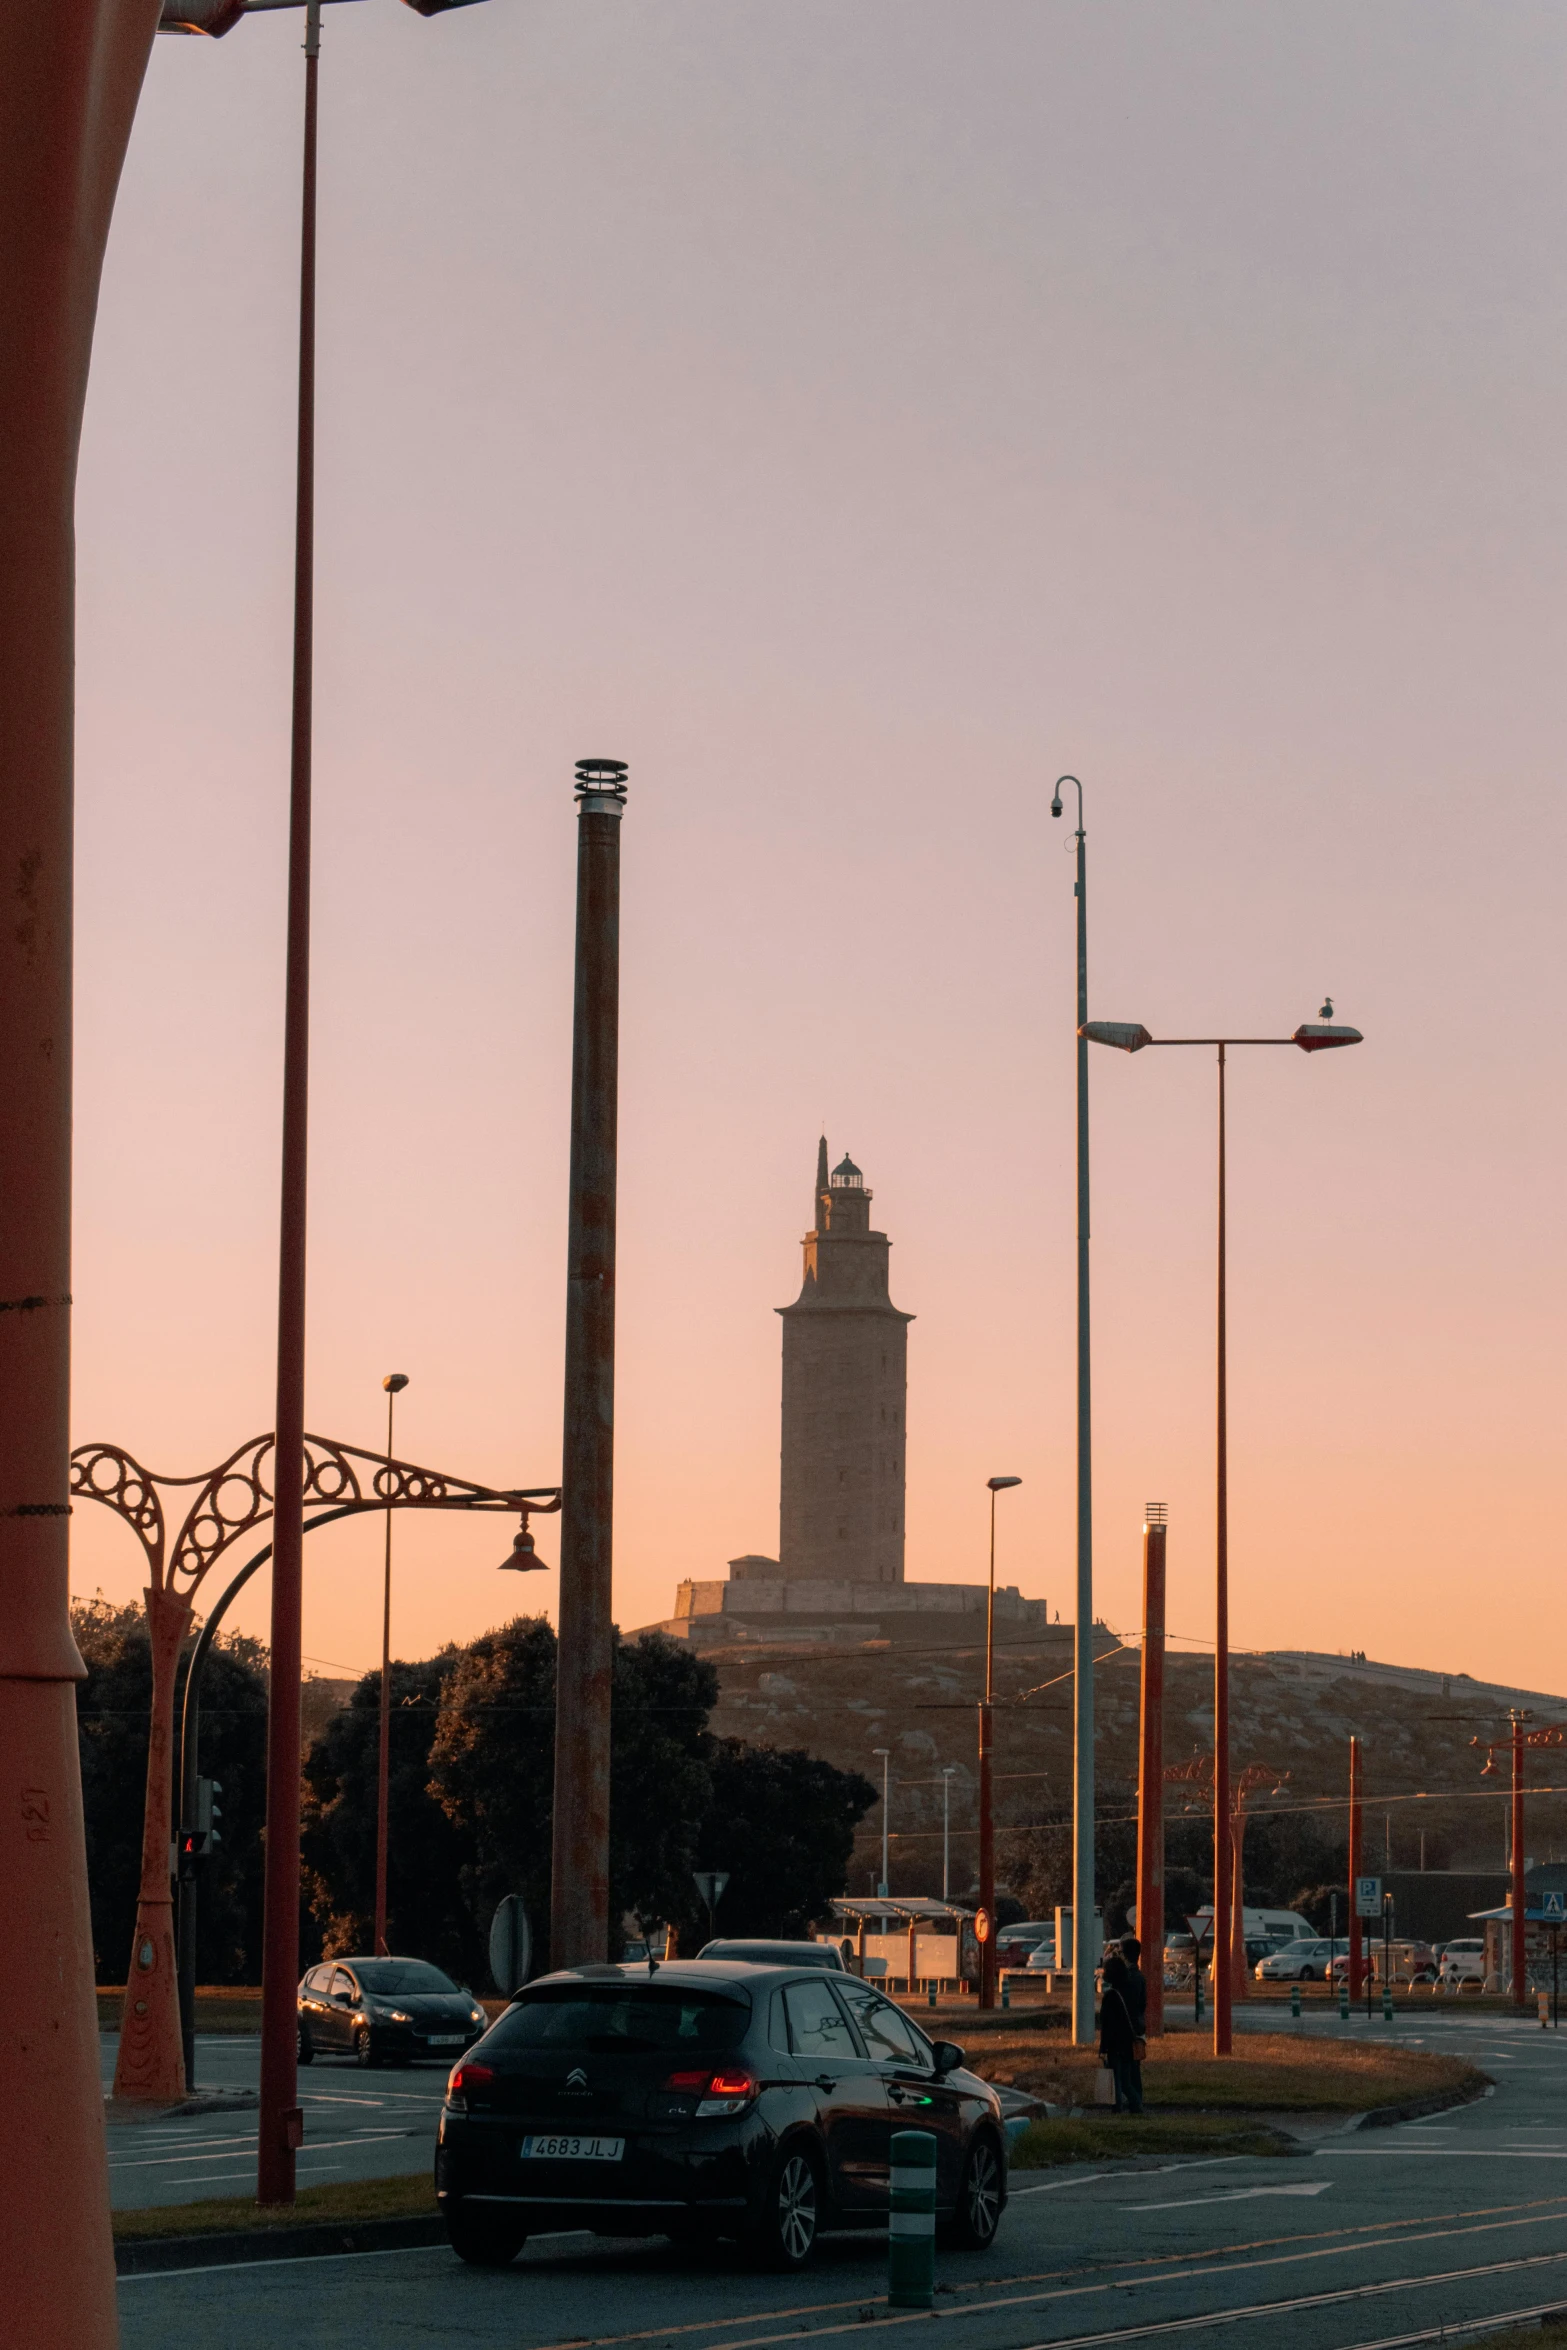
447, 2039
573, 2149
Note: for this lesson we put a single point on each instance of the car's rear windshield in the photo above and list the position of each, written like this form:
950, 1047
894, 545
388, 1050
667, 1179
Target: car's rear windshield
405, 1975
617, 2020
774, 1953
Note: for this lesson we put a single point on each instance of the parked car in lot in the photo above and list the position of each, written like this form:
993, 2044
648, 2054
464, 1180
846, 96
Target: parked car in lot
1299, 1962
1041, 1960
825, 1954
1015, 1945
1413, 1962
380, 2009
1462, 1962
702, 2099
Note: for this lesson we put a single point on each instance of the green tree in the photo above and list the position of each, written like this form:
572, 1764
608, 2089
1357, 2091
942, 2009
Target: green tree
782, 1824
427, 1909
111, 1711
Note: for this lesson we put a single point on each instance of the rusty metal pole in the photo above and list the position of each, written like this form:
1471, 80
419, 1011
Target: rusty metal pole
1223, 1925
394, 1383
281, 2124
1356, 1968
69, 81
1519, 1932
1150, 1773
1239, 1975
579, 1867
987, 1861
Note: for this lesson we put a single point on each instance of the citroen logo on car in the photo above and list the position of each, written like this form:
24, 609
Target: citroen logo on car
576, 2078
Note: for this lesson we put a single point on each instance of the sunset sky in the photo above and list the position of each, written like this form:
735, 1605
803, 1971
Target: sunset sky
852, 418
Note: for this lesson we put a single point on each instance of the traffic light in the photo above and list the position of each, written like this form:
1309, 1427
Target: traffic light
208, 1813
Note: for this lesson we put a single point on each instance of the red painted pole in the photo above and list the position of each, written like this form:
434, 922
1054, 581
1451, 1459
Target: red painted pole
1519, 1928
1223, 1954
1356, 1961
281, 2124
69, 81
1150, 1771
987, 1862
1240, 1987
394, 1383
579, 1864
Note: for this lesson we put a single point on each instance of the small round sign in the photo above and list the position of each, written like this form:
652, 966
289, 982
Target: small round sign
982, 1926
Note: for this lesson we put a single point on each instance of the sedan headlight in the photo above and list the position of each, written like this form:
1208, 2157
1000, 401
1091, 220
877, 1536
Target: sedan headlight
477, 2015
392, 2015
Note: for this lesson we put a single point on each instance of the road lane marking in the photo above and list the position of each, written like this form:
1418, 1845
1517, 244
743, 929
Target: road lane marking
1230, 2195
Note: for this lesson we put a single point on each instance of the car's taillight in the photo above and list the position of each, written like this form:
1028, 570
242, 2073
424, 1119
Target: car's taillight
731, 2085
696, 2081
467, 2077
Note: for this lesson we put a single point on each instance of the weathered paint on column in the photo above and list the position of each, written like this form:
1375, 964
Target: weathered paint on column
579, 1872
150, 2066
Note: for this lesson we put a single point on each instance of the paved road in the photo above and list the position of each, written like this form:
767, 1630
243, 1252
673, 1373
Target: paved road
1376, 2237
358, 2125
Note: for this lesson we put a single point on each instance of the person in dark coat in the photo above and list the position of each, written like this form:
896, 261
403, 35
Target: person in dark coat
1123, 2011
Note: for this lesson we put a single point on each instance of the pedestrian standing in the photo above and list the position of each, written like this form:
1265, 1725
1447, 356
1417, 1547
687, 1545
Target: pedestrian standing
1123, 2011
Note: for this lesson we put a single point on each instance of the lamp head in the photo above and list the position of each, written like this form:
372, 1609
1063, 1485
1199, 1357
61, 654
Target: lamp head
524, 1558
1313, 1036
395, 1382
1128, 1036
1055, 805
1000, 1484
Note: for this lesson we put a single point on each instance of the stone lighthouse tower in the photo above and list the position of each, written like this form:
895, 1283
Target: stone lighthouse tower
845, 1392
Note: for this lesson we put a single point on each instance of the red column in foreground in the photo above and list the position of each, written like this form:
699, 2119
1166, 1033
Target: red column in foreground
69, 81
1150, 1771
1357, 1973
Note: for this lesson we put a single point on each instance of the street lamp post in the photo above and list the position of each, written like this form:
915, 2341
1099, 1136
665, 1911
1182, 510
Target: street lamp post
1083, 1953
987, 1821
947, 1770
885, 1753
394, 1383
1129, 1036
1514, 1746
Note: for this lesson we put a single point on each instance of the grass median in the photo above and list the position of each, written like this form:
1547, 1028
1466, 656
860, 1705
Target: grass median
1079, 2138
1272, 2073
350, 2203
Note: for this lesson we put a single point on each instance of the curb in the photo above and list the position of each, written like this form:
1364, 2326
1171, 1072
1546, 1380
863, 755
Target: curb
315, 2239
1382, 2117
133, 2109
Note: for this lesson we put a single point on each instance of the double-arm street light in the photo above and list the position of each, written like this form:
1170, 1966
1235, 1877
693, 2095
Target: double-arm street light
1129, 1036
1084, 1955
987, 1820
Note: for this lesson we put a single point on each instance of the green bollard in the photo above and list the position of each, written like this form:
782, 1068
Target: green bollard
1387, 2003
1006, 1991
1295, 2000
911, 2222
1343, 1999
930, 1992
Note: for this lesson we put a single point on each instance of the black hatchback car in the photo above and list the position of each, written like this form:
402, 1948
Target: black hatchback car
702, 2099
381, 2010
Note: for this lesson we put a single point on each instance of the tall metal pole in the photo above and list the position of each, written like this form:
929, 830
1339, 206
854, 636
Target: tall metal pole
394, 1383
1083, 1953
579, 1867
885, 1752
987, 1817
1356, 1967
281, 2124
1150, 1773
69, 80
1519, 1939
946, 1833
1223, 1923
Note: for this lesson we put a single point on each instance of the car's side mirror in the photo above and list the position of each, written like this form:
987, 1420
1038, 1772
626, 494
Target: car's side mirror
948, 2056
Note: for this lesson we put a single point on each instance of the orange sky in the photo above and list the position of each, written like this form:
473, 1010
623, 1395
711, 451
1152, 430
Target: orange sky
852, 421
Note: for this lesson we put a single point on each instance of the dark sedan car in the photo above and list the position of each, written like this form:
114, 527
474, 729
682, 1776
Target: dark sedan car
381, 2010
702, 2099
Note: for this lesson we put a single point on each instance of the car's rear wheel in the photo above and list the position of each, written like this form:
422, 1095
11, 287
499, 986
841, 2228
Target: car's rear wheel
972, 2227
784, 2227
366, 2052
484, 2235
1308, 1974
306, 2052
